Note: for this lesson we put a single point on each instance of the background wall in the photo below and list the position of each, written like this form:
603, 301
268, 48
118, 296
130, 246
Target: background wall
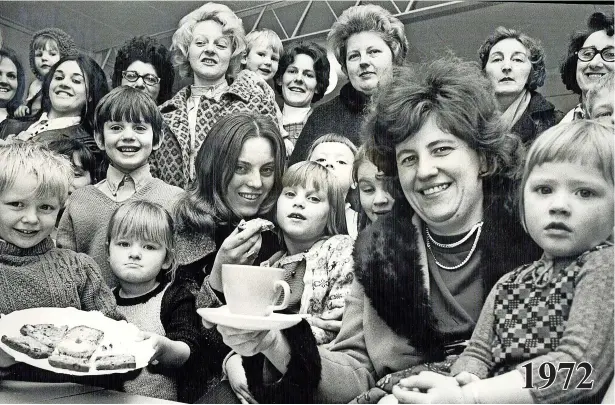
432, 27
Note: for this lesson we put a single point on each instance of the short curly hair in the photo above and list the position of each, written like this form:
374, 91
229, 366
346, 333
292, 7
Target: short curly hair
460, 99
373, 18
598, 21
21, 79
147, 50
321, 66
231, 25
538, 72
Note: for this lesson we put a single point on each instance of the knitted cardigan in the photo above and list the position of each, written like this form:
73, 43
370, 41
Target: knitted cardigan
171, 162
580, 330
83, 226
169, 310
342, 115
45, 276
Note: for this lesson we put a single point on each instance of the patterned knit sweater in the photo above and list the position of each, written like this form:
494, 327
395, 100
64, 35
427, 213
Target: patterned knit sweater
171, 162
549, 312
83, 226
44, 276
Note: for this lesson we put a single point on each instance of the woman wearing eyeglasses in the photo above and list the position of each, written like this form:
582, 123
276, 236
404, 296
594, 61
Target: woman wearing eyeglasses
143, 63
590, 56
515, 65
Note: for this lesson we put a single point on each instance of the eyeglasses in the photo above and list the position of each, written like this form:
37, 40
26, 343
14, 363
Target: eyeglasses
149, 79
589, 53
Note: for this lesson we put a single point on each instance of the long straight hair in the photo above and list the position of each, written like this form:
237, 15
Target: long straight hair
205, 205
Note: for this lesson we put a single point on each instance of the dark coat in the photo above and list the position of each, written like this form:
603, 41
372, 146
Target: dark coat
388, 324
342, 115
539, 116
76, 132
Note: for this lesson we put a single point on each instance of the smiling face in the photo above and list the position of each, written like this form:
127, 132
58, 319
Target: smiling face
8, 80
136, 261
368, 60
569, 207
45, 58
508, 67
262, 59
67, 90
252, 178
338, 159
127, 144
601, 105
590, 72
302, 214
25, 219
299, 82
143, 69
375, 199
439, 175
209, 53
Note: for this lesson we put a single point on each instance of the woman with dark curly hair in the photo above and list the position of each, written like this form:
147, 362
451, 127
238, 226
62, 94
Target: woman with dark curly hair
424, 270
515, 65
302, 79
590, 56
367, 41
143, 63
12, 83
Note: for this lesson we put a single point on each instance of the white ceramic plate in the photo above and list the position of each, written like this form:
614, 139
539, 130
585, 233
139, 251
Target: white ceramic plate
121, 334
222, 316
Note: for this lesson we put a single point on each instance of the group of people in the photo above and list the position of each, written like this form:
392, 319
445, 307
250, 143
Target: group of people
445, 229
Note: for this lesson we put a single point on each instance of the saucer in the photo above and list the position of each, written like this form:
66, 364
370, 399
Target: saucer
222, 316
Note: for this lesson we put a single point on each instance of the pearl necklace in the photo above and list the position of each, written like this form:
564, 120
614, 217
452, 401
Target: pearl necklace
478, 226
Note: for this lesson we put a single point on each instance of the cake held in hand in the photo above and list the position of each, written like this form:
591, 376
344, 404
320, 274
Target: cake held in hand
263, 224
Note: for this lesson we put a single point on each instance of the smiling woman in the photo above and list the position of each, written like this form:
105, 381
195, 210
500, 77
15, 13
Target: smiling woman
208, 47
12, 83
70, 93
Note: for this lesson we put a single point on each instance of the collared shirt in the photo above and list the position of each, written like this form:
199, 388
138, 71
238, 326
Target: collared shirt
120, 186
45, 123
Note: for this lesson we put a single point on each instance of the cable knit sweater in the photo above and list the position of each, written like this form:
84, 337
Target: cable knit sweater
45, 276
83, 226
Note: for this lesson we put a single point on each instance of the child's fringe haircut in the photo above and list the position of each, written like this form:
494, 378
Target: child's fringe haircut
147, 221
313, 175
53, 172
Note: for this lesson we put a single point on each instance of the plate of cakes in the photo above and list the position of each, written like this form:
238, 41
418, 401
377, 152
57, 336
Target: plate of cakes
71, 341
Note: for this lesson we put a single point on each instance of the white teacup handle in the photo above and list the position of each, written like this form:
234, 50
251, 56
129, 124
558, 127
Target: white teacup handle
284, 304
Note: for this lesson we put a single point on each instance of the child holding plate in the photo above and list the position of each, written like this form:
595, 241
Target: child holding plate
141, 255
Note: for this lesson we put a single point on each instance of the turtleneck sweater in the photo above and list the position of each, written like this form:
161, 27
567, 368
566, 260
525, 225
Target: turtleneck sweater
45, 276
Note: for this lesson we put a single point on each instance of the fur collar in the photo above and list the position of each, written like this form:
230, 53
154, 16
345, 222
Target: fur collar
389, 265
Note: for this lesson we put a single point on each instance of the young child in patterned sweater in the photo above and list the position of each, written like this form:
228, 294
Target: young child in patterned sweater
128, 127
317, 259
556, 310
34, 184
141, 254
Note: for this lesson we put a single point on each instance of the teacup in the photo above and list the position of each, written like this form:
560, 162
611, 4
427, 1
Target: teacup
253, 290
